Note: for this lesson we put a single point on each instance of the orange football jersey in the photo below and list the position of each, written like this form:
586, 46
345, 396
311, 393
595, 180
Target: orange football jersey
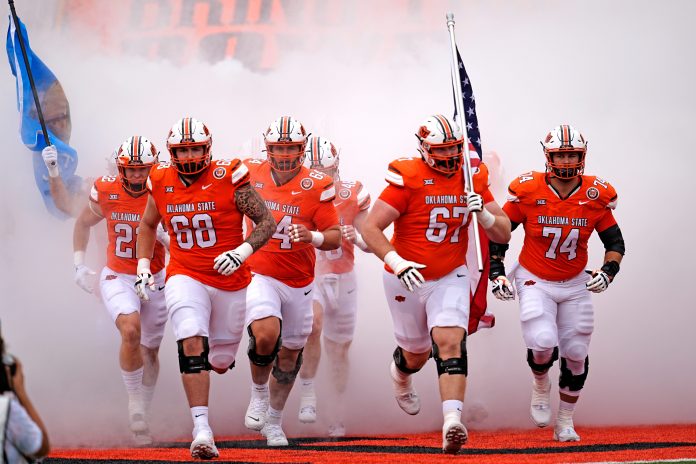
202, 220
351, 199
122, 213
556, 231
432, 228
307, 199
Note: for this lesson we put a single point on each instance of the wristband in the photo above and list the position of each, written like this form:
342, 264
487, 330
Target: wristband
79, 258
244, 250
393, 260
611, 268
359, 242
317, 239
485, 218
144, 265
53, 170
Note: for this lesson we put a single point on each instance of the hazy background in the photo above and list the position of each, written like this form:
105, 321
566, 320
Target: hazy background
622, 72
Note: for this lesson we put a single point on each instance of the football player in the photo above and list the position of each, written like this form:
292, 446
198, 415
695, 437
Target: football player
559, 209
202, 203
279, 300
335, 297
426, 280
121, 199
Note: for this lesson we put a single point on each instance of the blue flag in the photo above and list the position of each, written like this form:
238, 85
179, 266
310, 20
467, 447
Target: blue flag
55, 107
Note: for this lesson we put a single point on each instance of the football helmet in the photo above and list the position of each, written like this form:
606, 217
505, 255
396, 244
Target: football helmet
285, 141
441, 143
135, 153
189, 133
322, 155
564, 139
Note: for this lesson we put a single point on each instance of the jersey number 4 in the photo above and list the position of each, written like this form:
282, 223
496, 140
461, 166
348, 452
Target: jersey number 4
569, 245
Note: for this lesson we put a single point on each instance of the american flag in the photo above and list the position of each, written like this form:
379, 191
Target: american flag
472, 126
479, 317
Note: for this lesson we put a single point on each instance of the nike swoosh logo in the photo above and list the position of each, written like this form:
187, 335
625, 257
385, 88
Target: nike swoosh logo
253, 418
307, 292
206, 186
160, 288
199, 415
583, 202
461, 275
350, 291
296, 193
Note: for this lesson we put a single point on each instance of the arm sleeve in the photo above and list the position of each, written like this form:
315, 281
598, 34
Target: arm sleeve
22, 431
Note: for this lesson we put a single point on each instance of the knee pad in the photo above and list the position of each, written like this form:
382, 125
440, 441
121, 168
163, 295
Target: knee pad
400, 362
576, 352
572, 382
545, 340
193, 364
541, 368
452, 366
262, 359
286, 378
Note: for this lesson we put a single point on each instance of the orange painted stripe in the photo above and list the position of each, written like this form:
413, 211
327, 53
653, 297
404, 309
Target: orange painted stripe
445, 125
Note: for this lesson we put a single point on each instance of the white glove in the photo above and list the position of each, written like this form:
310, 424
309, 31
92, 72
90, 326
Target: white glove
84, 278
599, 282
145, 279
474, 204
50, 157
228, 262
406, 271
502, 288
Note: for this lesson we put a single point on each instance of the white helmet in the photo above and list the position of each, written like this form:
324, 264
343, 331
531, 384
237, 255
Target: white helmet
565, 138
441, 143
135, 153
110, 160
322, 155
285, 141
185, 133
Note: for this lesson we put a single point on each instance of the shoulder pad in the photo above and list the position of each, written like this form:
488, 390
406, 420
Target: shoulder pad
601, 191
402, 171
523, 185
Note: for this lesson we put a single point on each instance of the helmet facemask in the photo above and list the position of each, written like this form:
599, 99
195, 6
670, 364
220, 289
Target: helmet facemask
136, 155
444, 157
565, 170
285, 157
190, 165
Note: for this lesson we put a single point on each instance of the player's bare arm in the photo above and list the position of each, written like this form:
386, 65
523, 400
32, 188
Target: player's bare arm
250, 203
500, 231
147, 231
353, 232
90, 216
380, 216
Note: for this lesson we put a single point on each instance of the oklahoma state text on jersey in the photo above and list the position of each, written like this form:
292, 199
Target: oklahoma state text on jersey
202, 220
556, 231
122, 213
307, 199
351, 198
432, 228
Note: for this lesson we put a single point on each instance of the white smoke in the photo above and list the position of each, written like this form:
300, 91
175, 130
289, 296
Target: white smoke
622, 72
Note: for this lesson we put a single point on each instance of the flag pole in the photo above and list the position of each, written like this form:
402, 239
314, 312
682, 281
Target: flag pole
28, 68
458, 102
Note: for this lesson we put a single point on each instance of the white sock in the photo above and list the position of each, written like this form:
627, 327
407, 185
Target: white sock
259, 391
274, 416
148, 393
134, 382
307, 387
199, 414
452, 409
541, 380
401, 377
567, 406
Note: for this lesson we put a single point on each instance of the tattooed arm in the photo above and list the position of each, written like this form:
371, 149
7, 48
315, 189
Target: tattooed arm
250, 203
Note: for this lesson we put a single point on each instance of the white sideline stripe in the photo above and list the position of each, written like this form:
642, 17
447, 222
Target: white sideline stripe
240, 172
394, 178
328, 194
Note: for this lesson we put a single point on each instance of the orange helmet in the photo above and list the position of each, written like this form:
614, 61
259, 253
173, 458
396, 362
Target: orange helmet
134, 154
564, 139
186, 133
285, 141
